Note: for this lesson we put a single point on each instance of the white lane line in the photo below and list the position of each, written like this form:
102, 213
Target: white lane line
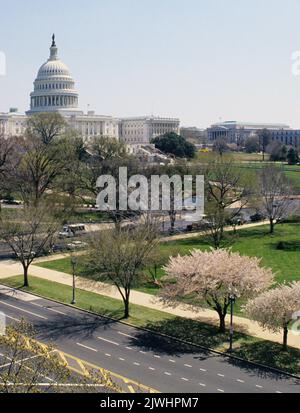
136, 364
202, 385
126, 335
152, 368
240, 381
257, 385
108, 355
121, 359
24, 311
184, 379
188, 365
12, 318
156, 356
279, 392
172, 361
49, 309
129, 348
143, 352
221, 391
87, 347
108, 341
167, 373
203, 370
221, 375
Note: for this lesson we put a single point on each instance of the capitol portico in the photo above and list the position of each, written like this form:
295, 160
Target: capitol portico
54, 91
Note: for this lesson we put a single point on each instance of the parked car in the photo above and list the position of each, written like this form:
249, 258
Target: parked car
257, 217
70, 231
76, 245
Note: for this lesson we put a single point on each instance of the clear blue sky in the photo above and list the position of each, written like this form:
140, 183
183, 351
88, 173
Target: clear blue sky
200, 60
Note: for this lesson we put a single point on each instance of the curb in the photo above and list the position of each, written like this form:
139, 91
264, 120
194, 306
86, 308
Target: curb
220, 353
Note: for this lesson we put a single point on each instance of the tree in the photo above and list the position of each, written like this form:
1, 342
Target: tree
275, 309
25, 363
118, 256
264, 136
252, 144
278, 152
6, 154
105, 148
275, 195
171, 143
292, 156
213, 276
45, 127
29, 233
221, 146
226, 186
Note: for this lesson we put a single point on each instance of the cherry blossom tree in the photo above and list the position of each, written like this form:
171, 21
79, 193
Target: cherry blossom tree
214, 276
275, 309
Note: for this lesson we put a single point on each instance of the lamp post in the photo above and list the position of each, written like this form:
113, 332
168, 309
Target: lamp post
232, 299
74, 264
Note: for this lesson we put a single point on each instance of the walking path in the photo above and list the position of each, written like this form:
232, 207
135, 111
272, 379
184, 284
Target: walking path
11, 268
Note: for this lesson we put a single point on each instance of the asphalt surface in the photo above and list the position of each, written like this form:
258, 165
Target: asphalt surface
163, 364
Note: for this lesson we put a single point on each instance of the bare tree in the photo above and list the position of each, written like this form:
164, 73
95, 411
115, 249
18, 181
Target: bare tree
275, 195
29, 233
45, 127
25, 363
118, 256
226, 187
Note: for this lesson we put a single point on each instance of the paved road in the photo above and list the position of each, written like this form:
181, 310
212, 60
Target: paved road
163, 364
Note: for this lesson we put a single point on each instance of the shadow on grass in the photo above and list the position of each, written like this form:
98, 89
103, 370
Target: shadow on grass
268, 354
188, 330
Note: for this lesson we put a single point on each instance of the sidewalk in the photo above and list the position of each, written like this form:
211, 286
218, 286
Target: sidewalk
11, 268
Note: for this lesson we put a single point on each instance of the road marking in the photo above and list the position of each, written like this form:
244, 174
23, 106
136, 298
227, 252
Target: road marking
13, 318
143, 352
202, 385
108, 355
129, 348
188, 365
221, 391
279, 392
136, 364
240, 381
184, 379
126, 335
121, 359
108, 341
203, 370
156, 356
257, 385
50, 309
24, 311
172, 361
151, 368
167, 373
87, 347
221, 375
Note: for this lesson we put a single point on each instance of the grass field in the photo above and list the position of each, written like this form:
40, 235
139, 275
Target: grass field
253, 163
252, 241
245, 346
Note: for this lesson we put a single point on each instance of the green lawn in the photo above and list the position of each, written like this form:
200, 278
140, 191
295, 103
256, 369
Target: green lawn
252, 241
245, 346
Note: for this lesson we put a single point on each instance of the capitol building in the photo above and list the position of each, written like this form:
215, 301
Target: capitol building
54, 91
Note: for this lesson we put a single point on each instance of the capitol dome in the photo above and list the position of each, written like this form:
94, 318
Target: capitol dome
54, 87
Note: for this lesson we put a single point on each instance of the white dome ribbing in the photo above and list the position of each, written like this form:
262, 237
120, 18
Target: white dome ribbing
54, 87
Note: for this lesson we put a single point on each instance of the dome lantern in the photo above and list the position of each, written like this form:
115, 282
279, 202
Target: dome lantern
54, 87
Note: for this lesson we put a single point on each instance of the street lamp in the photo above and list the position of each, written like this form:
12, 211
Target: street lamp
74, 264
232, 299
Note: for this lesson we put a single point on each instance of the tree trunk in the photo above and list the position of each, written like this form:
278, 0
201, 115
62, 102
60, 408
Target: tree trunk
126, 306
222, 326
285, 338
272, 226
26, 282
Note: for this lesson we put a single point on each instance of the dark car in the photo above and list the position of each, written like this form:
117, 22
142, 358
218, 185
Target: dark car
257, 217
